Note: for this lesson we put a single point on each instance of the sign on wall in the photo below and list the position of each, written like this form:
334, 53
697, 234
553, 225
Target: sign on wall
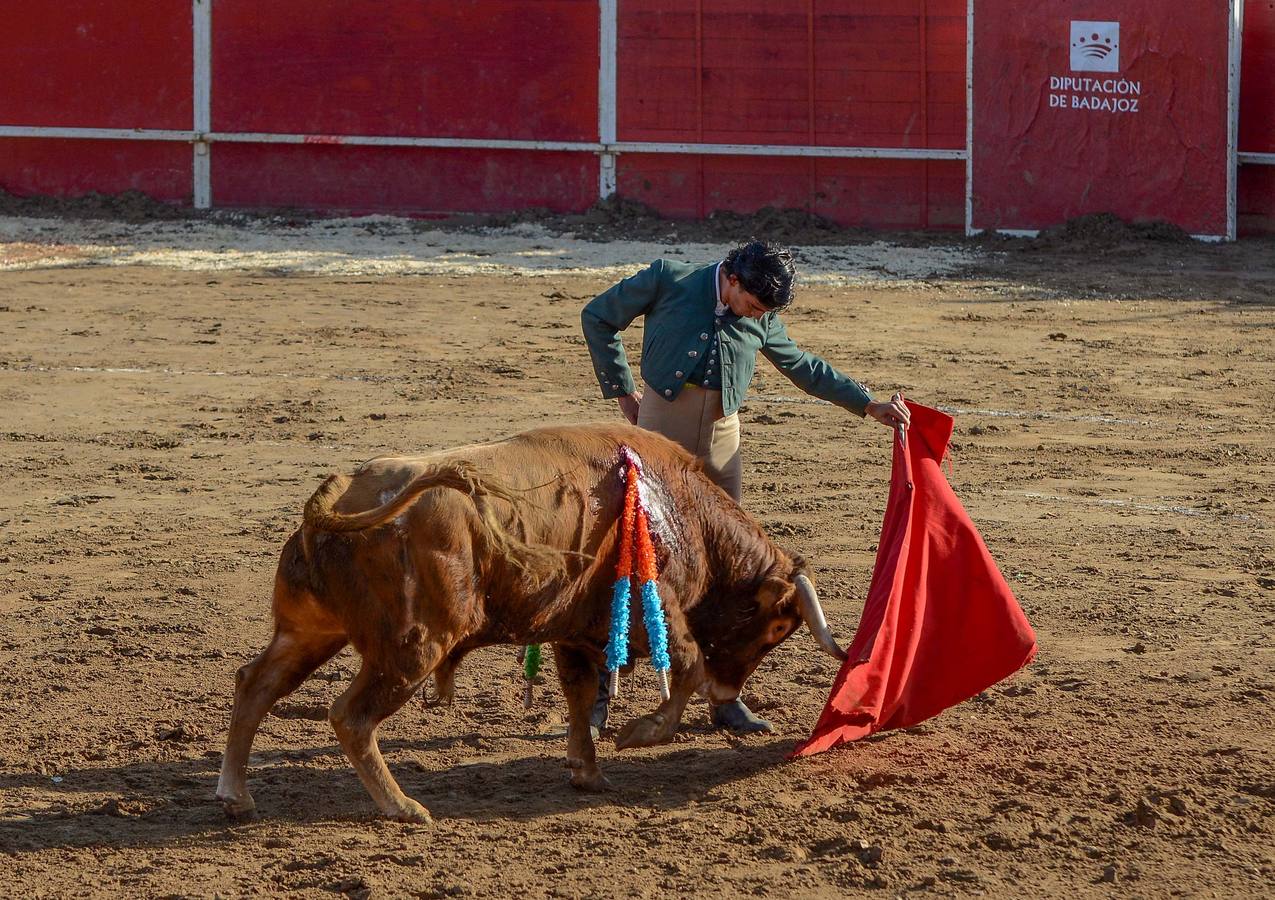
1079, 106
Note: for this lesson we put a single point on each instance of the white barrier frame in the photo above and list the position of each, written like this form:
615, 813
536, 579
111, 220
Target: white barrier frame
608, 60
1234, 46
201, 164
202, 137
363, 140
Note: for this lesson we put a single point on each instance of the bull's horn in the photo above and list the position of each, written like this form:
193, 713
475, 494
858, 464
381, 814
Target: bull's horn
812, 613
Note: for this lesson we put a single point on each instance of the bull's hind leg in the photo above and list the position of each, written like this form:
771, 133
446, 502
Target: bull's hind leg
445, 681
378, 691
278, 671
579, 678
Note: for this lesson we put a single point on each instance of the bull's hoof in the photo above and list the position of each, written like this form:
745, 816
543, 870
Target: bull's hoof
238, 810
646, 731
410, 811
593, 781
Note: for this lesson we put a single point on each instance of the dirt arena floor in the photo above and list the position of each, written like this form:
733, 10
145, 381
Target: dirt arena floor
162, 425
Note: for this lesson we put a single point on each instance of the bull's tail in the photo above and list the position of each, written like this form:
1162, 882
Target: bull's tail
536, 561
320, 509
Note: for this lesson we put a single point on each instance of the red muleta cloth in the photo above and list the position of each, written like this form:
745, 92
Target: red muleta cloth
940, 624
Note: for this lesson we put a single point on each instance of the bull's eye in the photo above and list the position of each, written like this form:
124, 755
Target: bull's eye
778, 631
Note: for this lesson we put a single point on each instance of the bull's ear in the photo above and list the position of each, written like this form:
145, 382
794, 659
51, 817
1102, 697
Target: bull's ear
775, 591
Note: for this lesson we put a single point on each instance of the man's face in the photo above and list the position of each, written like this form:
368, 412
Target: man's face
741, 302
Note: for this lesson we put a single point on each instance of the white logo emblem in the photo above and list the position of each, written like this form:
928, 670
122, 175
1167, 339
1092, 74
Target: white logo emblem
1095, 46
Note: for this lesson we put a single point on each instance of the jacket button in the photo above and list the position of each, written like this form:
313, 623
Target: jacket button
668, 393
703, 335
692, 353
678, 373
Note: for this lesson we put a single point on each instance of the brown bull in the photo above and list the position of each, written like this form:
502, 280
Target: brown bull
416, 561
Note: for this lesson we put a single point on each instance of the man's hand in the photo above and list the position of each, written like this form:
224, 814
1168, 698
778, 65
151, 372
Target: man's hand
629, 405
892, 413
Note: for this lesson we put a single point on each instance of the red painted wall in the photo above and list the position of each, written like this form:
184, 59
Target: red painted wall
402, 180
494, 69
1256, 190
833, 73
836, 72
1148, 143
97, 64
878, 193
1257, 78
503, 69
63, 168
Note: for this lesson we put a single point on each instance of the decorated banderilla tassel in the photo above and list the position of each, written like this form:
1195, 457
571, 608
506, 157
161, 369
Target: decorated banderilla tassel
652, 609
618, 639
636, 558
530, 669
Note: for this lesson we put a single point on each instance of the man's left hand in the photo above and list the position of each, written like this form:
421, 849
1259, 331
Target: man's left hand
892, 413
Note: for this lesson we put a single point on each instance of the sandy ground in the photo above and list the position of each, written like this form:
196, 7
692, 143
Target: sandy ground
170, 394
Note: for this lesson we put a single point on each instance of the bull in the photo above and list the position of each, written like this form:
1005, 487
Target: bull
418, 560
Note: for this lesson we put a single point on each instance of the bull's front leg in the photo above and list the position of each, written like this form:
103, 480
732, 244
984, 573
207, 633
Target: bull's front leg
657, 727
579, 678
685, 676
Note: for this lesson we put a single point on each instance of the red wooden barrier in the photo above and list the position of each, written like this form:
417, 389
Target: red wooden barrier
878, 193
426, 68
96, 64
885, 79
1085, 112
1256, 210
836, 73
487, 69
1257, 79
401, 180
57, 167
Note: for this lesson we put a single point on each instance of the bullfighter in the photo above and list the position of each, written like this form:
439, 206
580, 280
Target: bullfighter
704, 326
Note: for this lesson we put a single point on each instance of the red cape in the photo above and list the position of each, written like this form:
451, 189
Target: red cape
940, 624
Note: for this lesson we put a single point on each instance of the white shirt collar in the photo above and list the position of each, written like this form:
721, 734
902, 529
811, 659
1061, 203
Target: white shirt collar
722, 308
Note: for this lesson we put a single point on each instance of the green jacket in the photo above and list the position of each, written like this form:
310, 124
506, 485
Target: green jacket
679, 302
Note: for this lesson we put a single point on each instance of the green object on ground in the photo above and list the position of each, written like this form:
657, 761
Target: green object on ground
531, 662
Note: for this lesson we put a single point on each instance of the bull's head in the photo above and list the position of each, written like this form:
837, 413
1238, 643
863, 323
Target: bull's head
737, 630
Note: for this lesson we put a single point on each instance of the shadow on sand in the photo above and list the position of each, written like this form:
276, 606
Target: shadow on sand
155, 804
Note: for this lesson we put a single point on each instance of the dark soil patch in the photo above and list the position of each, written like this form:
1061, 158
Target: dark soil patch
621, 219
130, 206
1107, 233
1138, 259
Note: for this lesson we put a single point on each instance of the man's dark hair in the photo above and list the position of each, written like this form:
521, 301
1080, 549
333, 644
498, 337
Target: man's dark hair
765, 270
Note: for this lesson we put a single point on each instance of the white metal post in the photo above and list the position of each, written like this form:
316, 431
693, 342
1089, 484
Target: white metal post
1233, 114
607, 16
969, 119
201, 17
